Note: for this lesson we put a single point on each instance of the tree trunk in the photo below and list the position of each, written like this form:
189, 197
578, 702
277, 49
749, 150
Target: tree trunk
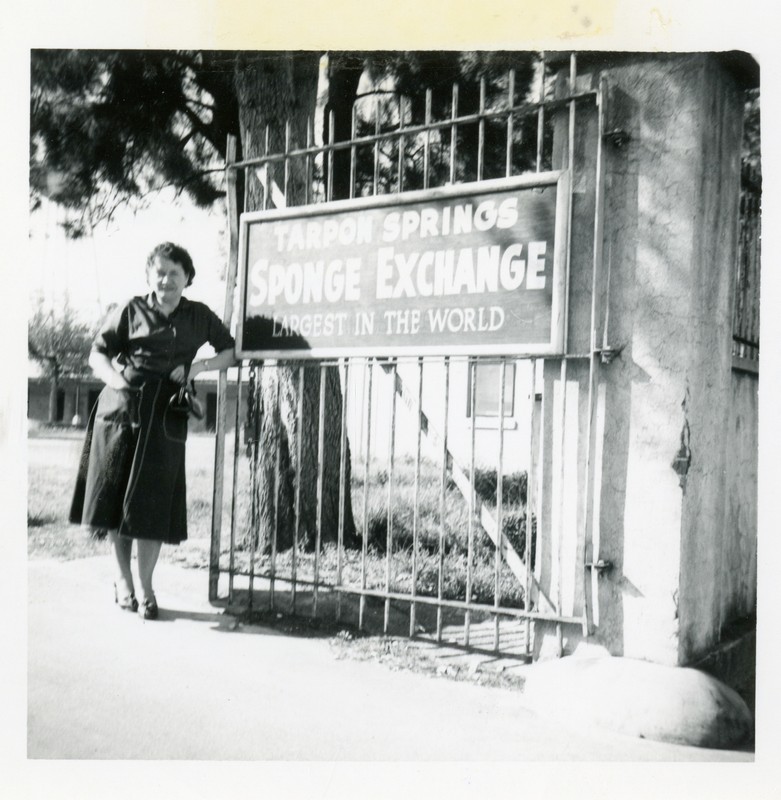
54, 389
272, 88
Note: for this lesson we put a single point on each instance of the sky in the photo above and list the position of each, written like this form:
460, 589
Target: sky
109, 266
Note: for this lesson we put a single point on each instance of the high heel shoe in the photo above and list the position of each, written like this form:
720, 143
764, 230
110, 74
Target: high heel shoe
148, 609
127, 603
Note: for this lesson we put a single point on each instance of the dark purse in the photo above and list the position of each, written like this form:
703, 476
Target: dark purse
185, 402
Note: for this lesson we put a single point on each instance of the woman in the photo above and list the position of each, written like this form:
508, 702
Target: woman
131, 482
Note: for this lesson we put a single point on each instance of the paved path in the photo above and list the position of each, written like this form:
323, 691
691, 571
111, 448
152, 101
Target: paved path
103, 684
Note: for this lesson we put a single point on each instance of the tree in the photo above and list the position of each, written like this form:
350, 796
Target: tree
111, 126
60, 343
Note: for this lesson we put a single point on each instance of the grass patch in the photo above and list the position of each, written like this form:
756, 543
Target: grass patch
50, 535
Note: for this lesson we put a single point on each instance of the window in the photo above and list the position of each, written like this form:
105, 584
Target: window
487, 390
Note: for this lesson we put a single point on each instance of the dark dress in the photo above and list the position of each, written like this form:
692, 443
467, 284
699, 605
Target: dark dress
132, 472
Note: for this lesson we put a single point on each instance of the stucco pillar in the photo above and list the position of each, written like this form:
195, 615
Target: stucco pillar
670, 237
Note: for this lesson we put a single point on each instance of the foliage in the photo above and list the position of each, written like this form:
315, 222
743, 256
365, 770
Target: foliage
59, 341
403, 84
106, 126
513, 486
111, 126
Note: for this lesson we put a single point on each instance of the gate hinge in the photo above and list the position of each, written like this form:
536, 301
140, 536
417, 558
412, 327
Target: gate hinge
601, 566
607, 354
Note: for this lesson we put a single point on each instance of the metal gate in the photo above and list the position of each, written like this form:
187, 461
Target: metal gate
439, 537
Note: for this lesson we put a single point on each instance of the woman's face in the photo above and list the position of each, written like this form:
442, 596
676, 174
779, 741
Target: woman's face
167, 280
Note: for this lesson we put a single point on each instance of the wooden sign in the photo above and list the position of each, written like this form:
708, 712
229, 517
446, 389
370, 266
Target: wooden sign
473, 269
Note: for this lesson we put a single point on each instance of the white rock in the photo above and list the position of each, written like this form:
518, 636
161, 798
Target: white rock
639, 698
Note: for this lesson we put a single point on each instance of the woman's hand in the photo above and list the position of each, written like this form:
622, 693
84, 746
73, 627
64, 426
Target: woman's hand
178, 375
103, 367
220, 361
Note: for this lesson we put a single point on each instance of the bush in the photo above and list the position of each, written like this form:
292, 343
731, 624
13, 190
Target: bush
455, 543
513, 487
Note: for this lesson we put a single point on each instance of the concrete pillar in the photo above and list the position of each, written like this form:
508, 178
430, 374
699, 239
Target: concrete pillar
670, 234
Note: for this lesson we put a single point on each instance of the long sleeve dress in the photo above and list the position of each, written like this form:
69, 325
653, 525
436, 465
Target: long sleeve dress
132, 471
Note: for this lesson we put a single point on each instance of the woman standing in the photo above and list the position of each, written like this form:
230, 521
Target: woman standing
131, 482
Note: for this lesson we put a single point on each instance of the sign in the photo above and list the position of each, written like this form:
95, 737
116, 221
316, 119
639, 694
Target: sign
473, 269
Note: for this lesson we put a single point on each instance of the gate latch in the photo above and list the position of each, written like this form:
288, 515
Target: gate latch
601, 566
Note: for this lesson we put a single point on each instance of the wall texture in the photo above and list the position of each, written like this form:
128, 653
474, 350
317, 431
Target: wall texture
738, 568
670, 237
707, 404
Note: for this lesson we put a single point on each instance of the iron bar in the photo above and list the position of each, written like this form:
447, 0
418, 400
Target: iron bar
508, 169
605, 327
343, 489
530, 485
470, 533
442, 505
367, 455
331, 138
427, 140
416, 500
590, 549
277, 470
353, 151
401, 144
286, 171
297, 501
571, 168
454, 359
377, 139
487, 608
320, 480
453, 133
458, 358
308, 161
234, 493
391, 464
231, 196
475, 607
481, 132
529, 109
499, 500
563, 371
255, 526
267, 164
541, 117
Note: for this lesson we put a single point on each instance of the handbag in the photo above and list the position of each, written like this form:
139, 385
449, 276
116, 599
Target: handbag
185, 401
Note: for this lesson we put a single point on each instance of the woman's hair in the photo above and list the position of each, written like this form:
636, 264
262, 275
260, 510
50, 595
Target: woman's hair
174, 253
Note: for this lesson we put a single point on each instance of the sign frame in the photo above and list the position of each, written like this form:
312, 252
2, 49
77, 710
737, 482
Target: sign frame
553, 347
